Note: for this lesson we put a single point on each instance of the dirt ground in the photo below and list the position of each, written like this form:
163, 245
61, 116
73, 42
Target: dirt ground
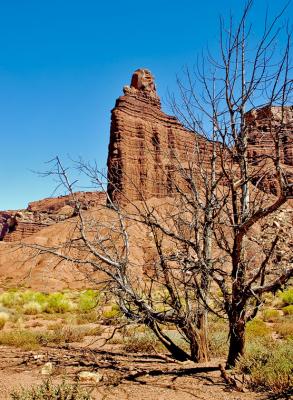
124, 375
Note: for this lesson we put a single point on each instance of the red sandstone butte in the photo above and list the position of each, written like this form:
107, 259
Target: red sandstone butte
143, 141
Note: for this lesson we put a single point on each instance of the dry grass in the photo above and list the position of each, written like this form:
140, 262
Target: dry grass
47, 390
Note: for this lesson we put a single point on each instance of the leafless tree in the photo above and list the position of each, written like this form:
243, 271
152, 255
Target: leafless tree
217, 230
249, 73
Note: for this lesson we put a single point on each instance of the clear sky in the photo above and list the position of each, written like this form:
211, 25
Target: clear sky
63, 63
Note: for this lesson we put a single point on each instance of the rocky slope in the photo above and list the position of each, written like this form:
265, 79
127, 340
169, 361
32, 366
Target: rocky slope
16, 225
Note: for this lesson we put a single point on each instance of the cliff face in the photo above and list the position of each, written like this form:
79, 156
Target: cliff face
145, 143
265, 125
19, 224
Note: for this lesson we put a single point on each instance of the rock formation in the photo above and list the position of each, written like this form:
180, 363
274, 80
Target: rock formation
265, 125
146, 146
145, 143
19, 224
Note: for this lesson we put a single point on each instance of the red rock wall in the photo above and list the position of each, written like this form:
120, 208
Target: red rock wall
144, 140
23, 230
42, 213
265, 125
54, 204
145, 144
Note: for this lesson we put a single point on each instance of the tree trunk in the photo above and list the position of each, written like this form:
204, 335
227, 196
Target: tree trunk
178, 353
237, 341
203, 355
198, 341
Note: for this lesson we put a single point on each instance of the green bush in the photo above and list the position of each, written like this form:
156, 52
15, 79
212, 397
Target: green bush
112, 316
48, 391
16, 298
271, 315
88, 300
58, 303
10, 298
287, 296
257, 329
269, 365
288, 310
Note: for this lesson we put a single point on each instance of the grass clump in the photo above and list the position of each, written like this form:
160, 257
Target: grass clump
140, 342
88, 300
287, 297
47, 390
111, 316
67, 334
4, 317
269, 365
284, 329
23, 338
271, 315
16, 298
218, 338
32, 308
86, 317
257, 329
288, 310
58, 303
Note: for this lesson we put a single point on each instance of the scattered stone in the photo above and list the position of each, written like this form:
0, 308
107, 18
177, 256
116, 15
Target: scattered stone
47, 369
90, 377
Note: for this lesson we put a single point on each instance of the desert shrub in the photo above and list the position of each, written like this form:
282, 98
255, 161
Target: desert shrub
271, 315
10, 298
23, 338
88, 300
257, 328
288, 310
287, 296
16, 298
32, 308
86, 317
32, 296
112, 316
47, 391
218, 338
268, 364
284, 329
67, 334
140, 342
94, 331
4, 317
58, 303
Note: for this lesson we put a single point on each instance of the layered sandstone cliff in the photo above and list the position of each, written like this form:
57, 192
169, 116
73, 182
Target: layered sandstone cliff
145, 144
18, 224
270, 133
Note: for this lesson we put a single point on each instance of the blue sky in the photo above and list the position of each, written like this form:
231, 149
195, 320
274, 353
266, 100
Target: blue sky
63, 63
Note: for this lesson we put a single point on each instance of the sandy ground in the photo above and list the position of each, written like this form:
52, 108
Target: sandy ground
119, 370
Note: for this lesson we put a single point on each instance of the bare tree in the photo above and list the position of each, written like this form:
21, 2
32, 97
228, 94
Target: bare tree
249, 73
217, 229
